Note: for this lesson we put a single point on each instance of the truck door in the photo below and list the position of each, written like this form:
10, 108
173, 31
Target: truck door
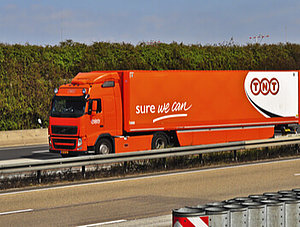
109, 113
96, 121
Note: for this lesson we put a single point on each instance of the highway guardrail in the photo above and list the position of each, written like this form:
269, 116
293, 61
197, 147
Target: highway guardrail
82, 161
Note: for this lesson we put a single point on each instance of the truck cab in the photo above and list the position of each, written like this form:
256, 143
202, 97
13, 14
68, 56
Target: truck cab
86, 115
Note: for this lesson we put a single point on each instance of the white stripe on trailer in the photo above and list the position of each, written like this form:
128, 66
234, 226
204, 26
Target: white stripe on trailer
146, 129
169, 116
243, 124
262, 124
225, 129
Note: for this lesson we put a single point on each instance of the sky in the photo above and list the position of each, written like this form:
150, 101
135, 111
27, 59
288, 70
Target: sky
48, 22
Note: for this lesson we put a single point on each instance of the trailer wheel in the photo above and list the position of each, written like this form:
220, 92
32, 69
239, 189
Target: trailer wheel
103, 146
159, 141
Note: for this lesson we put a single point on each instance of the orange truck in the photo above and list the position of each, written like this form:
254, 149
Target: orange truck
105, 112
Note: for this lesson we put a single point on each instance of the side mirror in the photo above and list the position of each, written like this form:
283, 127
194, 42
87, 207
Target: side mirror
40, 122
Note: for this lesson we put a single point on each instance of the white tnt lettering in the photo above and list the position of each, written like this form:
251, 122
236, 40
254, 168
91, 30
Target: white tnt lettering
264, 86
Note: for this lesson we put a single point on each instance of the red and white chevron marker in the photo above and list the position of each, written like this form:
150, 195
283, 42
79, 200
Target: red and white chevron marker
191, 221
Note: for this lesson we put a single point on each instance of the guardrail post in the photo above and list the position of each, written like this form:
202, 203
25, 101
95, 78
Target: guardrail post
267, 151
83, 171
297, 148
201, 159
39, 176
235, 155
164, 163
125, 167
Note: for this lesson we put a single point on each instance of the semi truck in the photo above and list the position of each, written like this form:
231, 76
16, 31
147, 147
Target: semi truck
104, 112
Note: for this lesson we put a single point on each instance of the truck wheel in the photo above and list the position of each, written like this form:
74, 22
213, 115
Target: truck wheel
103, 146
159, 141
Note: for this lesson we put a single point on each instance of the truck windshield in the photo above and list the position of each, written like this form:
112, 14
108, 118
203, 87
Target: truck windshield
64, 106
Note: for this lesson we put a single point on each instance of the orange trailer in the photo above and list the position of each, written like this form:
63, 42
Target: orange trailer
120, 111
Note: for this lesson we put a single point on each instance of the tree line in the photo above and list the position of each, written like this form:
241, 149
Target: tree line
29, 73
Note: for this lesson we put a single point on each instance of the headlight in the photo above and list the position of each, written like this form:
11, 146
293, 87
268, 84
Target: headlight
50, 143
79, 143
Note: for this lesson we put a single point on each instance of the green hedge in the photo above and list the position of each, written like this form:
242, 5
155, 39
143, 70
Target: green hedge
28, 73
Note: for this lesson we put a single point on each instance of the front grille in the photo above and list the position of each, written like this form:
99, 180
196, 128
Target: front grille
64, 130
68, 144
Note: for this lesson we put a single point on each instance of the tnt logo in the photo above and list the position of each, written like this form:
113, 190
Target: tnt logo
264, 86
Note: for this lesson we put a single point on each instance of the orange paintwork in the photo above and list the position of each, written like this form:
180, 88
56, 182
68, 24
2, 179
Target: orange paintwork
201, 107
133, 143
70, 90
95, 77
213, 99
222, 136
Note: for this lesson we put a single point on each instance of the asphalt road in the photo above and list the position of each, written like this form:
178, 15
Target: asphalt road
33, 152
120, 201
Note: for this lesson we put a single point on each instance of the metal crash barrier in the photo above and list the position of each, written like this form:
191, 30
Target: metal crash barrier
270, 209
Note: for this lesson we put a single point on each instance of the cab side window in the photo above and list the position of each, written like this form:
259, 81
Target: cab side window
99, 106
95, 105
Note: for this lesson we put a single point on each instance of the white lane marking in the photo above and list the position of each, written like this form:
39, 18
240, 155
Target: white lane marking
16, 211
297, 174
148, 177
19, 148
104, 223
37, 152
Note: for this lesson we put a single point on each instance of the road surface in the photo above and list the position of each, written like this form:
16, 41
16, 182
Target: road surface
147, 199
32, 152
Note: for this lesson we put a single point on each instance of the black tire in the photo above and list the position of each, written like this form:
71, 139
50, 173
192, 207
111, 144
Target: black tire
104, 146
159, 141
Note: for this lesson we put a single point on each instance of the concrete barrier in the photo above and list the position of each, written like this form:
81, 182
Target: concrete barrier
23, 137
282, 211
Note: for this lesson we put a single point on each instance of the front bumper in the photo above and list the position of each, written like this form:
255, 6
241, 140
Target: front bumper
71, 153
66, 145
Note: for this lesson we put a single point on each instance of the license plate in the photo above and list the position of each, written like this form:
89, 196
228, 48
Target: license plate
64, 152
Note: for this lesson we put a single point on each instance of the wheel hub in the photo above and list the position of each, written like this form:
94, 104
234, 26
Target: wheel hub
103, 149
160, 144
